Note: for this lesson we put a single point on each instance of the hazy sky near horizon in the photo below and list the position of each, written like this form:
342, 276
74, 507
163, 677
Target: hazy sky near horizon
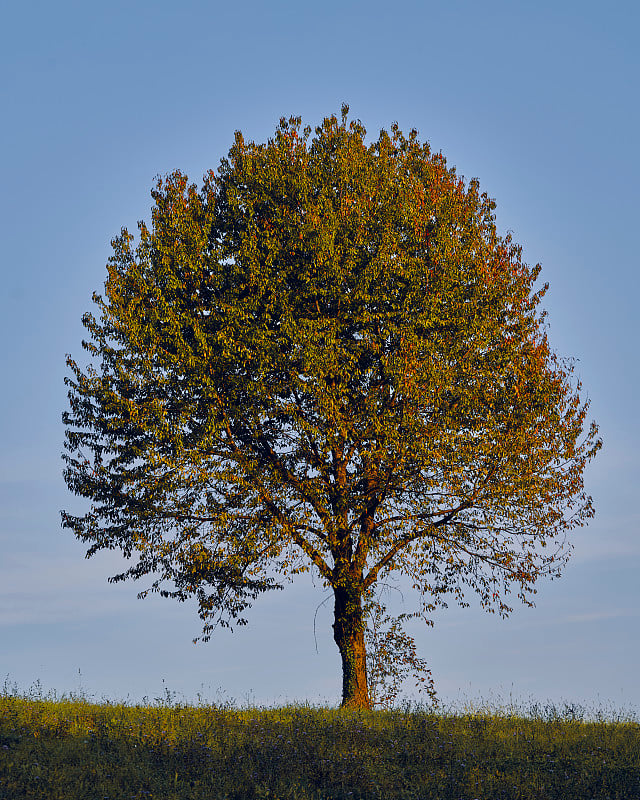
539, 101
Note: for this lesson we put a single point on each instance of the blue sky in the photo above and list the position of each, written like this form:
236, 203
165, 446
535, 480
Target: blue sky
537, 100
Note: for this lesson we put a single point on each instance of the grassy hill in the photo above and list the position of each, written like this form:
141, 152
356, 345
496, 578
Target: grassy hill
73, 749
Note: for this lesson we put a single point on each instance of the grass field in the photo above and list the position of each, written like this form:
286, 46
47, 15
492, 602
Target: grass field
71, 749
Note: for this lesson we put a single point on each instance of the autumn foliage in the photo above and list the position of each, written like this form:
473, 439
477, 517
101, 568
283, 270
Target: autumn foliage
326, 359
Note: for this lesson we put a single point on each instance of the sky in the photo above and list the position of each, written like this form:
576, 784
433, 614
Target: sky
536, 100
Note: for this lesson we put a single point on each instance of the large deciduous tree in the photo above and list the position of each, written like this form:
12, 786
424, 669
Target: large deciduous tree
326, 358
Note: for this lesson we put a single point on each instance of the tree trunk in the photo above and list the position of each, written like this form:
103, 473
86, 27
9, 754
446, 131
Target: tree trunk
348, 633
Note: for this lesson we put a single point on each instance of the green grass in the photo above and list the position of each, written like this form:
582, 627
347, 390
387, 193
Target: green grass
75, 749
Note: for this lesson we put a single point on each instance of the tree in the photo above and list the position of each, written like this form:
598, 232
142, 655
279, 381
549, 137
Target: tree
326, 358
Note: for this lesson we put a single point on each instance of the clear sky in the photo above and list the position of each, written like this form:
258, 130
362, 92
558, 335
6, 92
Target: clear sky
537, 100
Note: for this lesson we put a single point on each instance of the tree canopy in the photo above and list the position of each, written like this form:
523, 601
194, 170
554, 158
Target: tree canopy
326, 359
